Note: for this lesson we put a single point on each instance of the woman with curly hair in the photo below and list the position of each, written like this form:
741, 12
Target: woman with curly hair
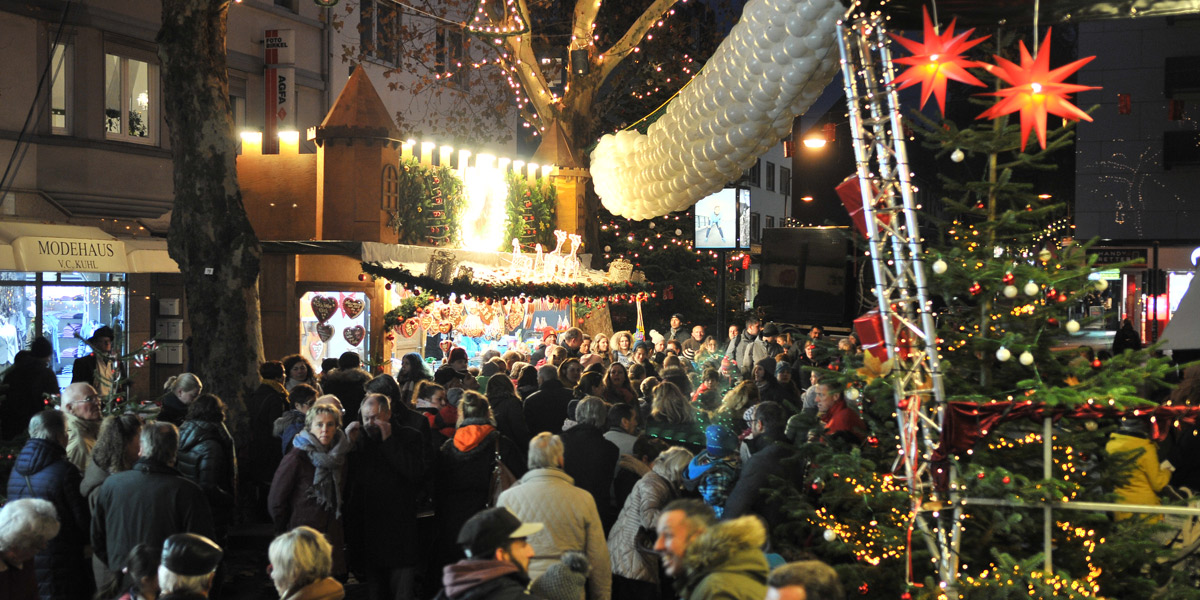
117, 447
734, 405
299, 371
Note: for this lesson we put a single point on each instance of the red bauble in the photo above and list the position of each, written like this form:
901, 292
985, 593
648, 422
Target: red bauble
1007, 480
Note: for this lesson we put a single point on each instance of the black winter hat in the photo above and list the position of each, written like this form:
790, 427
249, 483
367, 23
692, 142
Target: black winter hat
190, 554
41, 348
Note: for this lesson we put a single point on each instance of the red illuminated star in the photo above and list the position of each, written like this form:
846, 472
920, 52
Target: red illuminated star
937, 59
1036, 90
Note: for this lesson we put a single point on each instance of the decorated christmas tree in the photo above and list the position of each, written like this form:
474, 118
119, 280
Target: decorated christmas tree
1003, 278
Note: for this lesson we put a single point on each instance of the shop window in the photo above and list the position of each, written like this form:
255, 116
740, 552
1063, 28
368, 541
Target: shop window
1181, 76
379, 30
130, 99
332, 323
785, 182
770, 222
450, 57
65, 308
755, 228
391, 188
770, 184
61, 65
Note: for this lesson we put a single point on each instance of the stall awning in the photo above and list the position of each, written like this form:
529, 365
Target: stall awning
52, 247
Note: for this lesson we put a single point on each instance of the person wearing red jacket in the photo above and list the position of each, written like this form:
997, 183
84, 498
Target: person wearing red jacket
840, 420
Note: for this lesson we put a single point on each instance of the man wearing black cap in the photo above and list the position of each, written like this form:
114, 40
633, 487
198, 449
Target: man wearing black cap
28, 381
765, 346
189, 562
100, 369
497, 563
677, 331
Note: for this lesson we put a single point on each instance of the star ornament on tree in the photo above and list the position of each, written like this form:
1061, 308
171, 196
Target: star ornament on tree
936, 60
1036, 90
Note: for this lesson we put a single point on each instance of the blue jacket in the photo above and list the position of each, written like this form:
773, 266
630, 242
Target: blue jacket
43, 471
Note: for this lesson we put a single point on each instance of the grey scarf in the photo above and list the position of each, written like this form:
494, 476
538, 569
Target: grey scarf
327, 481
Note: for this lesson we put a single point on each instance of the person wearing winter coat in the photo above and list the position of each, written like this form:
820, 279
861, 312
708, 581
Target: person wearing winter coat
291, 422
509, 412
769, 388
301, 562
631, 539
498, 559
617, 389
29, 380
526, 380
43, 471
1148, 476
117, 447
181, 391
299, 372
148, 503
309, 484
346, 382
713, 472
738, 350
764, 347
546, 408
548, 495
413, 370
81, 405
386, 470
710, 560
207, 457
265, 406
841, 421
26, 526
464, 469
589, 458
772, 458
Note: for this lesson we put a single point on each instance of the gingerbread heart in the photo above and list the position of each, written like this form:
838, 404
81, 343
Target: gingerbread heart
352, 307
315, 349
354, 335
516, 314
409, 327
445, 327
323, 307
426, 321
325, 331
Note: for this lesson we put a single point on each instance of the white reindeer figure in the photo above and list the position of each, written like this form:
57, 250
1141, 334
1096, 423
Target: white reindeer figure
571, 264
553, 260
520, 262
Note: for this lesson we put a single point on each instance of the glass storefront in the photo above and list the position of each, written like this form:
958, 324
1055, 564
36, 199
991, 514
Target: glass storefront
332, 323
65, 307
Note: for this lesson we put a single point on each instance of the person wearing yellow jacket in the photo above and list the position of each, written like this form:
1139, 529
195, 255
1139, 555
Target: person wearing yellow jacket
1148, 476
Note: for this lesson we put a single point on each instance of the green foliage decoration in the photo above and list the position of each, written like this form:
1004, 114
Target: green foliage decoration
529, 210
508, 290
430, 206
408, 308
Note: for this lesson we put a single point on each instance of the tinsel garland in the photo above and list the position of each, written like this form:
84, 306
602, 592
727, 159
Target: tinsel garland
431, 204
409, 307
530, 210
505, 291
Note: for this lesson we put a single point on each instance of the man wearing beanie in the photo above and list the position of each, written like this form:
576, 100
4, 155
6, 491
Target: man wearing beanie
28, 381
766, 346
677, 331
769, 388
713, 472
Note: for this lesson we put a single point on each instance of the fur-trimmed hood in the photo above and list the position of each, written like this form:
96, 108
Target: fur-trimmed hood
728, 556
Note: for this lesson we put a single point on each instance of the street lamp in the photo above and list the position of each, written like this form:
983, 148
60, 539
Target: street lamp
814, 142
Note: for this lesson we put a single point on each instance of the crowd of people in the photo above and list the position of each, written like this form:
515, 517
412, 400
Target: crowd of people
591, 467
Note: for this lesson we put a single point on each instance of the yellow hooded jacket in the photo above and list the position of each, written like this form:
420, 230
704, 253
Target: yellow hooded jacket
1147, 477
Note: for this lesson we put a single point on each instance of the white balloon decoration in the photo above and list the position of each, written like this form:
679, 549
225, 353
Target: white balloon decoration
772, 66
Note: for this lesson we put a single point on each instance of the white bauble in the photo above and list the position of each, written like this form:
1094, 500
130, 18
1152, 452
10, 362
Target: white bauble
829, 535
939, 266
1026, 358
957, 155
1032, 289
1044, 255
1072, 326
1003, 354
851, 394
1010, 291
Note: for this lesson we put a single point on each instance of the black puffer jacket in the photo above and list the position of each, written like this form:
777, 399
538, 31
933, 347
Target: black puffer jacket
207, 457
347, 385
43, 471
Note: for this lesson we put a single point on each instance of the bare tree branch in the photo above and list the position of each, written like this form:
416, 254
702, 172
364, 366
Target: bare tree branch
633, 36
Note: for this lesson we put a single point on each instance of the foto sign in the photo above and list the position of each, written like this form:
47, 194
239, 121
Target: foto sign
280, 93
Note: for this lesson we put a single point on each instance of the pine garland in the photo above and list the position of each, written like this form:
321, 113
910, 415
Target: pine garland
502, 291
409, 307
431, 204
529, 210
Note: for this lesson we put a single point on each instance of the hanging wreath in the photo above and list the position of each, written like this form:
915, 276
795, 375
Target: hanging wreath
505, 290
431, 203
530, 210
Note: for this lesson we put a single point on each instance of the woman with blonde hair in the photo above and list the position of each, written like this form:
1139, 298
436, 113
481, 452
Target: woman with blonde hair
734, 405
600, 348
301, 562
622, 350
634, 563
308, 485
673, 419
181, 391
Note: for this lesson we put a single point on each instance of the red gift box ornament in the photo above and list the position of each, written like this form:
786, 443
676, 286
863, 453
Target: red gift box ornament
851, 194
869, 328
